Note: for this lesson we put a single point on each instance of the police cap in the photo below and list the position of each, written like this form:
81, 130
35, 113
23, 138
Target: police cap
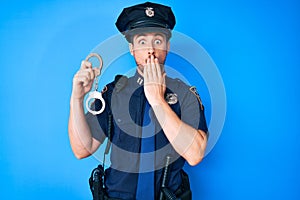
145, 16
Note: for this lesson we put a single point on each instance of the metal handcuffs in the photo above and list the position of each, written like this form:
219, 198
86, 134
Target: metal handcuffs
95, 94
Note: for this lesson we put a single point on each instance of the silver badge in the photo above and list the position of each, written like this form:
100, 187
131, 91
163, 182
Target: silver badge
149, 12
171, 98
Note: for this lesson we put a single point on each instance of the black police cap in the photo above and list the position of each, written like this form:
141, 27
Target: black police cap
144, 16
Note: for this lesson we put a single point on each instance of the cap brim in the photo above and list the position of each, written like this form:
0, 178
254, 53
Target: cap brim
136, 31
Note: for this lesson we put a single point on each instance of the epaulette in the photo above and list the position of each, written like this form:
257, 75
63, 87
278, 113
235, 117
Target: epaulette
117, 85
120, 82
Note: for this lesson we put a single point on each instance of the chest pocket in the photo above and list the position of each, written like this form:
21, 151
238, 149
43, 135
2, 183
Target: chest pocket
126, 133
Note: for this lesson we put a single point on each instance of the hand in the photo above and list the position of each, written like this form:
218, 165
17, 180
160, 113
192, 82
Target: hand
83, 80
154, 81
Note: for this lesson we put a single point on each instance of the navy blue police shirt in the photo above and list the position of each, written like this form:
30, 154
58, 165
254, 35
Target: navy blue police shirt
125, 100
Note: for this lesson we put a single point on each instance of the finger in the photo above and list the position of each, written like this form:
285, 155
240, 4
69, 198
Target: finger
88, 73
92, 74
82, 79
96, 71
85, 64
152, 68
158, 68
164, 78
151, 72
146, 69
158, 72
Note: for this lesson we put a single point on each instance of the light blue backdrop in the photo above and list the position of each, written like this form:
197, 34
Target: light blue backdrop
255, 45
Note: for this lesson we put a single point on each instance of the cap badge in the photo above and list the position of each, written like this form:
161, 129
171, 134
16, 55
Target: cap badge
171, 98
149, 12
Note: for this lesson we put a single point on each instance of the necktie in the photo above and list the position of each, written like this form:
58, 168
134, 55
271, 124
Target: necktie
145, 186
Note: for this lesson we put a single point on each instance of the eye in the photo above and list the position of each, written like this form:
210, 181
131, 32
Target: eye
142, 42
157, 42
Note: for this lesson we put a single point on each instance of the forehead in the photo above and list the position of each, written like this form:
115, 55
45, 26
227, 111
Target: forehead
151, 34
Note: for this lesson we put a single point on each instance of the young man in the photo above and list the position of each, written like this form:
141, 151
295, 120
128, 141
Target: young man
153, 115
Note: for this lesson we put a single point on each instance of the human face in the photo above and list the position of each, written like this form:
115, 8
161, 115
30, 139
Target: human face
146, 44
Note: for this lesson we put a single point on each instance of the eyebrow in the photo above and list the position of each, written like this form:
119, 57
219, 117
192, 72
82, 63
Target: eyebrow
144, 34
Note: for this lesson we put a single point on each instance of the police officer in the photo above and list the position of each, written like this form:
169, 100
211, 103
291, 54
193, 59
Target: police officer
175, 126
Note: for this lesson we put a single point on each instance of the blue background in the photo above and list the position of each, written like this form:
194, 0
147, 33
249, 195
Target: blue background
255, 45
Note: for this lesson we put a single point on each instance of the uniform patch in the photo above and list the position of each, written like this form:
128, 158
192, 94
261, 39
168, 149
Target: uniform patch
195, 92
104, 90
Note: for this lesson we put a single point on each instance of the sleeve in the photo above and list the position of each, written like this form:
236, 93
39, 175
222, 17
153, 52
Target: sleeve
192, 110
99, 123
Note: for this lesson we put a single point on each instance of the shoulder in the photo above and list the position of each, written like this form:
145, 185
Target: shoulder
187, 92
176, 84
115, 86
118, 83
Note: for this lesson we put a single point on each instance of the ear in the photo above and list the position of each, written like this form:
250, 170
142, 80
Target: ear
168, 46
131, 48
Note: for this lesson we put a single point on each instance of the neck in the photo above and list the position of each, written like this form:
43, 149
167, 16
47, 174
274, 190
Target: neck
140, 71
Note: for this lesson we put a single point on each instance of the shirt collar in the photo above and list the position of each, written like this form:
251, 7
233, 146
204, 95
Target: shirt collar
137, 84
139, 80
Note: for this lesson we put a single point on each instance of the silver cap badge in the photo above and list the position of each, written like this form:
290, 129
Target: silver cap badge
149, 12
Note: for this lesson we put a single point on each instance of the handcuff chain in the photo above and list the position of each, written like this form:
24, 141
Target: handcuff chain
96, 83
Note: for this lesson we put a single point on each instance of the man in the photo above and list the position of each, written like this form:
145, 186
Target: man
175, 126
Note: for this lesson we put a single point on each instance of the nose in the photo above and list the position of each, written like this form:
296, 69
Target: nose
150, 53
151, 50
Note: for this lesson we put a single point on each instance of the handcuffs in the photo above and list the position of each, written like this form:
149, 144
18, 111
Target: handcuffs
95, 94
